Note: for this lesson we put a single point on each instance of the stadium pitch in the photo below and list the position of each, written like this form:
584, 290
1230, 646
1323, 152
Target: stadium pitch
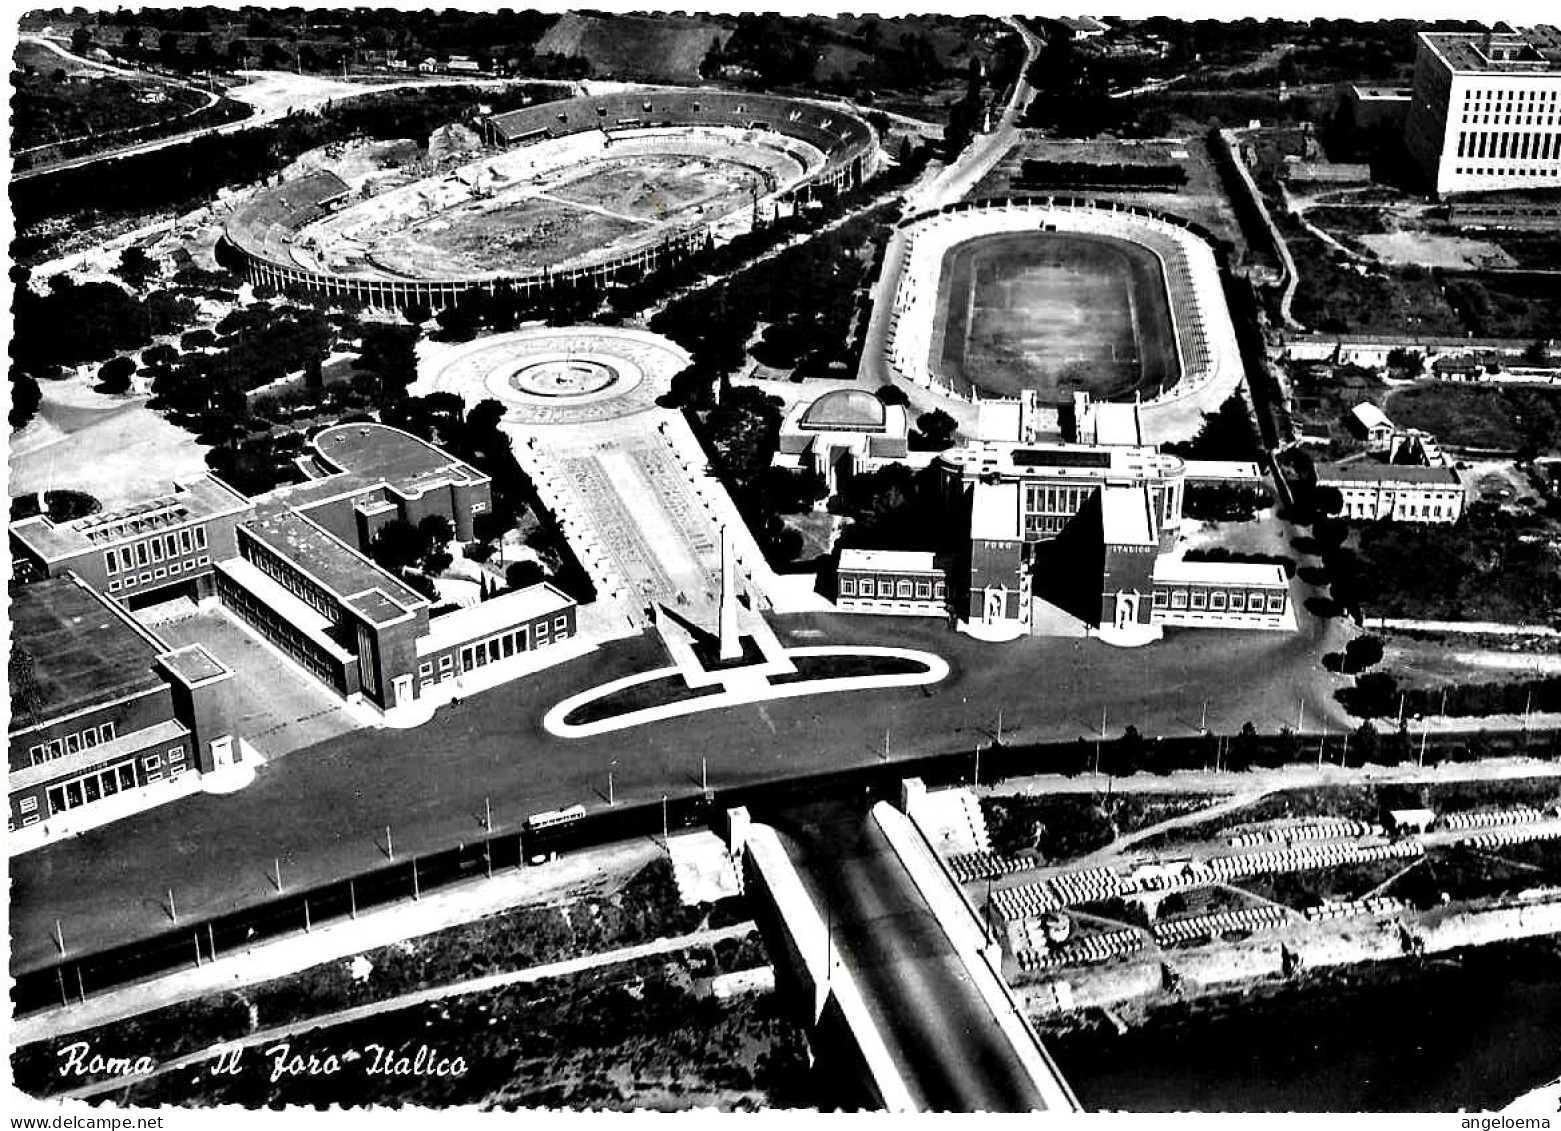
1057, 312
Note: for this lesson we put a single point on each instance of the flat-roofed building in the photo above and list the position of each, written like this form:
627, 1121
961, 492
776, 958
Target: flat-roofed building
1222, 595
144, 552
100, 706
1094, 525
895, 582
1486, 112
293, 564
1379, 107
510, 626
1395, 492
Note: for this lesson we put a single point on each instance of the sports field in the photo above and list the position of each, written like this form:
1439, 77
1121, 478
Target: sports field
1056, 312
528, 210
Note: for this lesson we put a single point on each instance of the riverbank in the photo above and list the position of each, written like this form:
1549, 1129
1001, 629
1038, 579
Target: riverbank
1455, 1027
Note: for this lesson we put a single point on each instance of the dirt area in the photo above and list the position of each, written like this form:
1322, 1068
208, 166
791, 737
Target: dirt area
357, 161
1428, 250
112, 447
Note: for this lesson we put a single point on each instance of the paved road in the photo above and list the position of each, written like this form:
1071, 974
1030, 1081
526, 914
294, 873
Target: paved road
266, 112
323, 810
947, 186
937, 1027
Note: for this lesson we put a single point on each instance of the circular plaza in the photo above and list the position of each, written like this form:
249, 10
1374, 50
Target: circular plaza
573, 376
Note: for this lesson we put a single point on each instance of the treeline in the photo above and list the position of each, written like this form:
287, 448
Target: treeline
1247, 749
1378, 695
187, 175
810, 295
1087, 174
1224, 502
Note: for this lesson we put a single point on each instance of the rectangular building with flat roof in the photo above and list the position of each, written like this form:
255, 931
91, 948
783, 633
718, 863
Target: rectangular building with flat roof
99, 705
892, 582
1486, 111
1395, 492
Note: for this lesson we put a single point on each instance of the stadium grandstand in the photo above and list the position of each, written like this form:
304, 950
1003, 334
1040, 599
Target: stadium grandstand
482, 227
1205, 345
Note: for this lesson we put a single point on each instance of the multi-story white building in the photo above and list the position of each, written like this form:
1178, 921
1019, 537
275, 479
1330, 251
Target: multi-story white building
1486, 112
1379, 492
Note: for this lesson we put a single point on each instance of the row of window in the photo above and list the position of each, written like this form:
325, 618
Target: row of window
1493, 171
1413, 510
1219, 601
1515, 145
1052, 500
173, 569
497, 648
71, 743
98, 784
290, 579
1506, 98
924, 590
283, 634
127, 559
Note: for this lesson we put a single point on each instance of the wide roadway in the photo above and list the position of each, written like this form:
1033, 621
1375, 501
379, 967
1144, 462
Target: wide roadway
950, 1050
322, 811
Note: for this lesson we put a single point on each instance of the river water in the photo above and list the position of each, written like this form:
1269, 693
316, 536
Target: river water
1471, 1031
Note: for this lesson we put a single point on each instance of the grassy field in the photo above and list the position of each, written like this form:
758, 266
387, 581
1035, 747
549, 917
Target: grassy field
1490, 566
1063, 828
1482, 416
1056, 313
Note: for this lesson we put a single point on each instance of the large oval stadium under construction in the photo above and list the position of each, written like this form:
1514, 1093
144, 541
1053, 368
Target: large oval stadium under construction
560, 194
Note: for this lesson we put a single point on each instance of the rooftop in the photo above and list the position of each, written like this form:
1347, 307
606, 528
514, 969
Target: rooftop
1063, 461
898, 561
192, 664
1256, 574
1370, 416
1127, 516
197, 501
330, 561
846, 410
1365, 471
82, 652
377, 451
994, 511
1536, 50
494, 615
1393, 93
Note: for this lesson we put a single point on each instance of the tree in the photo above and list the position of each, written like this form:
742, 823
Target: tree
520, 575
136, 268
1406, 361
435, 530
1361, 653
396, 546
891, 394
1328, 500
81, 40
114, 375
25, 397
131, 38
1537, 354
937, 429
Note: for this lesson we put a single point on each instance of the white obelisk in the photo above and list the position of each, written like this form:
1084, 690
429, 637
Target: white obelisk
731, 643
